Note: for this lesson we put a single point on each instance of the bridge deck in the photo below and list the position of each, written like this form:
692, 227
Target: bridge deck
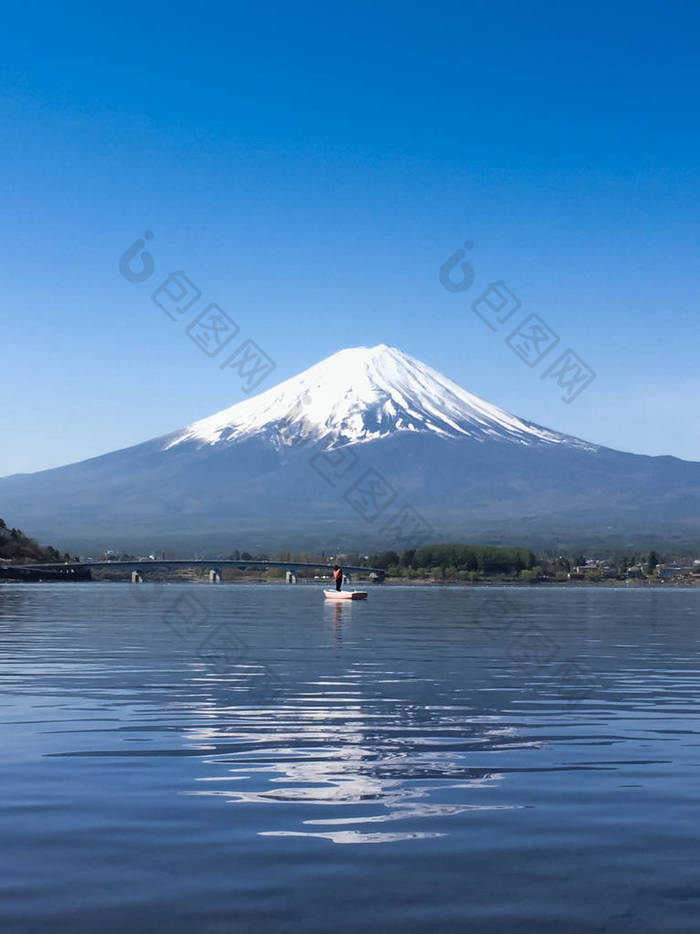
211, 563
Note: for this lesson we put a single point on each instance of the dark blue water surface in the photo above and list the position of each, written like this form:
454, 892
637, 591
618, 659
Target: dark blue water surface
198, 758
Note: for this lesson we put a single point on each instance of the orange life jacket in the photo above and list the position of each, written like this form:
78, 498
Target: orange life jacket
336, 574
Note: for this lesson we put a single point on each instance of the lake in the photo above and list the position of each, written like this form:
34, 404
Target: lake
225, 758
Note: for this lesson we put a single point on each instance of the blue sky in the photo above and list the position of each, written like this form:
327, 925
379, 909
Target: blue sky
311, 169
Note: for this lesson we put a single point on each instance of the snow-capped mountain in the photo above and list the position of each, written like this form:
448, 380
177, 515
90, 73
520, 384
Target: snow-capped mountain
280, 471
363, 394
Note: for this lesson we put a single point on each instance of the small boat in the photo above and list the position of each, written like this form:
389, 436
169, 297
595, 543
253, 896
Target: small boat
345, 594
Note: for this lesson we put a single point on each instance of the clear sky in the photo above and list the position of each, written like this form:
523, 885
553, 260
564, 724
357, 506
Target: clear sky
311, 167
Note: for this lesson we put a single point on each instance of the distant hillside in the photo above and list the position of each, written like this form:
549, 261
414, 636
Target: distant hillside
16, 547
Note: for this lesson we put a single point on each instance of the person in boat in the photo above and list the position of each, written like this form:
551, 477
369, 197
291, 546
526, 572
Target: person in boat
338, 577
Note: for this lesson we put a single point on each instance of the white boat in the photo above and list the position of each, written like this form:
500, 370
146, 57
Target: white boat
345, 594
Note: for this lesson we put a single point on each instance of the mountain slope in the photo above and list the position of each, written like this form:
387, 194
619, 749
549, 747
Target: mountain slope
364, 394
282, 469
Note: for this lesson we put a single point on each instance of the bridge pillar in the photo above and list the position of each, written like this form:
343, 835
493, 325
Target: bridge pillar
214, 576
136, 577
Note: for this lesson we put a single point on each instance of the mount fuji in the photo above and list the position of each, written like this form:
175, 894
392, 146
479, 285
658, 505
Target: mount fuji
368, 448
364, 394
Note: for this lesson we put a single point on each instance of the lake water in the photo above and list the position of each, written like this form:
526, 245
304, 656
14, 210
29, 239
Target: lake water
198, 758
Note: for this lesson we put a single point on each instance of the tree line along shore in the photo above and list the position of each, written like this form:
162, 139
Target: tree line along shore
439, 563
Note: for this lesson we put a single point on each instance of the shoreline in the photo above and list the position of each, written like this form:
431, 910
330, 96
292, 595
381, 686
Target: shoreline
390, 582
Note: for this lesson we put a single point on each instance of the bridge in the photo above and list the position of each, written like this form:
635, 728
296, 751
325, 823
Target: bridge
72, 570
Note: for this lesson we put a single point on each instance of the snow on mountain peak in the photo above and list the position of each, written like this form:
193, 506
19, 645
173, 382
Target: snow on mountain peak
361, 394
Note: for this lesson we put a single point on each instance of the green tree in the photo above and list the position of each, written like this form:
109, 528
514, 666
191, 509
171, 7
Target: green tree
408, 557
384, 560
